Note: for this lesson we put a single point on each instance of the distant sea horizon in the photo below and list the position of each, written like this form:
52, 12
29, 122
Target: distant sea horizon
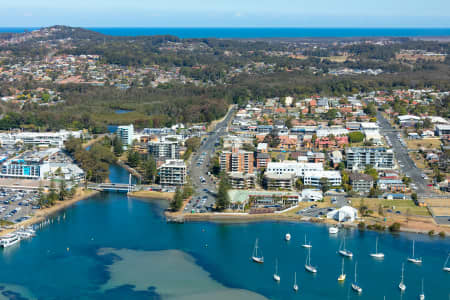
260, 32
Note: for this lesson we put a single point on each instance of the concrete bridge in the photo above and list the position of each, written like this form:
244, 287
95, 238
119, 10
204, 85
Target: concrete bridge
113, 187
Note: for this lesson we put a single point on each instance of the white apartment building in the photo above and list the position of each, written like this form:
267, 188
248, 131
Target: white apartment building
55, 139
313, 178
292, 166
164, 149
126, 134
173, 173
379, 158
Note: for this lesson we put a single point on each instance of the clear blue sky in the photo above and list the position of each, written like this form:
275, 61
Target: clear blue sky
226, 13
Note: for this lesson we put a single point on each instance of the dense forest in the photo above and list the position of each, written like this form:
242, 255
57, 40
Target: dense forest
93, 107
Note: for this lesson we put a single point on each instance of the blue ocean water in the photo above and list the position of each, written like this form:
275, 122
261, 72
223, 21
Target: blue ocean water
114, 247
258, 32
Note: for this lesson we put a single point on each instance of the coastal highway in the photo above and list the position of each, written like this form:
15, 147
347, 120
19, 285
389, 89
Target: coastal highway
199, 166
406, 164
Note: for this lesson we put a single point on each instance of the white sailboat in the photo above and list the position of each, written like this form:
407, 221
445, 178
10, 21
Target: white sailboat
342, 276
306, 244
255, 257
295, 287
355, 285
414, 259
377, 254
402, 285
287, 237
344, 252
276, 277
308, 265
422, 295
445, 268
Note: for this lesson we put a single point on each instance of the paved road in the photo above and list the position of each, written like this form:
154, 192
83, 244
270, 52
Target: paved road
199, 167
406, 164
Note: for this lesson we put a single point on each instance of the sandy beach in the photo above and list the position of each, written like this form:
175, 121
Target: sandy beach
42, 214
152, 195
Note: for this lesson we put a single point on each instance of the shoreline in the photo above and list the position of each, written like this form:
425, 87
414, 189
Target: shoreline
42, 214
408, 227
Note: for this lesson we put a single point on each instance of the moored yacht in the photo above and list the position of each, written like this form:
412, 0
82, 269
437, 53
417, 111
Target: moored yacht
355, 285
343, 250
308, 266
255, 256
445, 268
377, 254
295, 282
413, 259
402, 285
306, 244
342, 276
422, 295
276, 276
9, 240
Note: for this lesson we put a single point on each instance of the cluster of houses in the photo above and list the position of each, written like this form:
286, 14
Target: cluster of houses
286, 144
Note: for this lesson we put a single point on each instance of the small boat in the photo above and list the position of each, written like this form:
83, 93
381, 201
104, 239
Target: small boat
344, 252
287, 237
9, 240
333, 230
23, 234
402, 285
342, 276
414, 259
308, 265
422, 295
276, 277
355, 286
377, 254
255, 257
445, 268
306, 244
295, 282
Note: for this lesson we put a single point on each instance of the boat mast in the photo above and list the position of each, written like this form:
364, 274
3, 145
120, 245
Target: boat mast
403, 268
276, 266
342, 271
356, 264
413, 249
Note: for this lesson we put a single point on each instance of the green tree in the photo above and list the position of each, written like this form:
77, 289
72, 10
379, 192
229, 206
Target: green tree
223, 201
356, 137
324, 184
150, 170
133, 158
369, 170
272, 139
177, 201
52, 195
117, 146
62, 190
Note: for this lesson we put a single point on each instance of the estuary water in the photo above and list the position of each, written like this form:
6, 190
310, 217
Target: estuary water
114, 247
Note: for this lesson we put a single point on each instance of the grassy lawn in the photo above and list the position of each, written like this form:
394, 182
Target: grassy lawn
425, 143
400, 205
418, 160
